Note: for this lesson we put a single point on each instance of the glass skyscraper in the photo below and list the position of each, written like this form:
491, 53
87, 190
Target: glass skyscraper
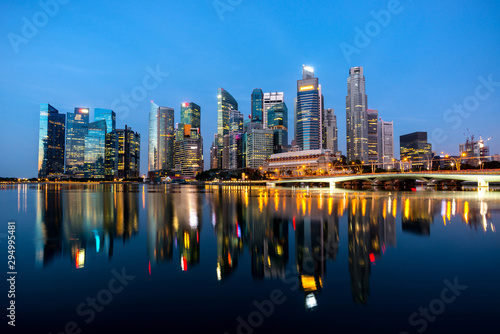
415, 148
386, 144
277, 120
356, 116
188, 145
129, 153
161, 138
51, 141
373, 149
225, 103
77, 126
270, 99
257, 105
191, 114
111, 158
330, 138
95, 150
308, 111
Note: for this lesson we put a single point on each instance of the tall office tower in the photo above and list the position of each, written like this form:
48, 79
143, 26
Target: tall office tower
259, 144
161, 138
214, 154
356, 117
233, 156
270, 99
415, 148
111, 158
51, 141
225, 103
95, 150
277, 120
330, 135
308, 111
191, 114
129, 153
76, 129
257, 105
373, 149
188, 150
386, 144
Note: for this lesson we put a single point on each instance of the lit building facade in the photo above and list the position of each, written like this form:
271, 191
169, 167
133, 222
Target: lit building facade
386, 144
191, 114
298, 163
259, 145
95, 150
330, 133
161, 138
415, 148
373, 135
129, 153
356, 116
51, 141
225, 103
257, 105
270, 99
308, 111
277, 121
474, 151
77, 126
111, 156
188, 151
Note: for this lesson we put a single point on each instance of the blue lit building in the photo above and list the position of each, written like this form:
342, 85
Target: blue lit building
191, 114
77, 125
161, 138
308, 111
95, 150
257, 105
225, 103
111, 155
51, 141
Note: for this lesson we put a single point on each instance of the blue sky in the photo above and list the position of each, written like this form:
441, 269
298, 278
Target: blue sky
424, 59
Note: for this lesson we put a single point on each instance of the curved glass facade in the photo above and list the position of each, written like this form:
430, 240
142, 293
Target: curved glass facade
51, 141
257, 105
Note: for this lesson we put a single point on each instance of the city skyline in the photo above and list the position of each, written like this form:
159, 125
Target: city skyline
415, 82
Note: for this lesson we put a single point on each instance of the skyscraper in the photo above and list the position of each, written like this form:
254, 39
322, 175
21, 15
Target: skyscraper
111, 156
308, 111
188, 145
373, 149
356, 117
129, 148
76, 129
330, 134
191, 114
225, 103
415, 148
161, 137
95, 150
51, 141
277, 120
259, 145
386, 144
257, 105
270, 99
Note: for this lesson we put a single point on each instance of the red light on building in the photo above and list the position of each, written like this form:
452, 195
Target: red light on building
372, 258
294, 223
149, 267
184, 264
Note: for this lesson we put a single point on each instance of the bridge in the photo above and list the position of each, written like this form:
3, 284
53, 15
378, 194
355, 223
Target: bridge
482, 177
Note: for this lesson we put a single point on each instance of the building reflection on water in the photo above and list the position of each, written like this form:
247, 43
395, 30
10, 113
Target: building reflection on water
74, 222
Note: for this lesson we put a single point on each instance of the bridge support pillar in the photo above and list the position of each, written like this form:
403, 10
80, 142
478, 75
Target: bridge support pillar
481, 183
332, 185
271, 184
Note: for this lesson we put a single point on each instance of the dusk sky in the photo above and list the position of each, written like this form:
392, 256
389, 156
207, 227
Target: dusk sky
421, 61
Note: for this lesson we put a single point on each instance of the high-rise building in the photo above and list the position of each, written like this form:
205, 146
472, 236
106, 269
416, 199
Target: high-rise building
259, 145
129, 153
225, 103
330, 134
95, 150
386, 144
111, 158
270, 99
191, 114
308, 111
51, 141
233, 145
415, 148
77, 126
257, 105
373, 149
188, 150
161, 137
214, 154
277, 120
356, 117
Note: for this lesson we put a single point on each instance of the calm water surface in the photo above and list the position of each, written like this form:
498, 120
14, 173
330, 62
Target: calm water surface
185, 259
